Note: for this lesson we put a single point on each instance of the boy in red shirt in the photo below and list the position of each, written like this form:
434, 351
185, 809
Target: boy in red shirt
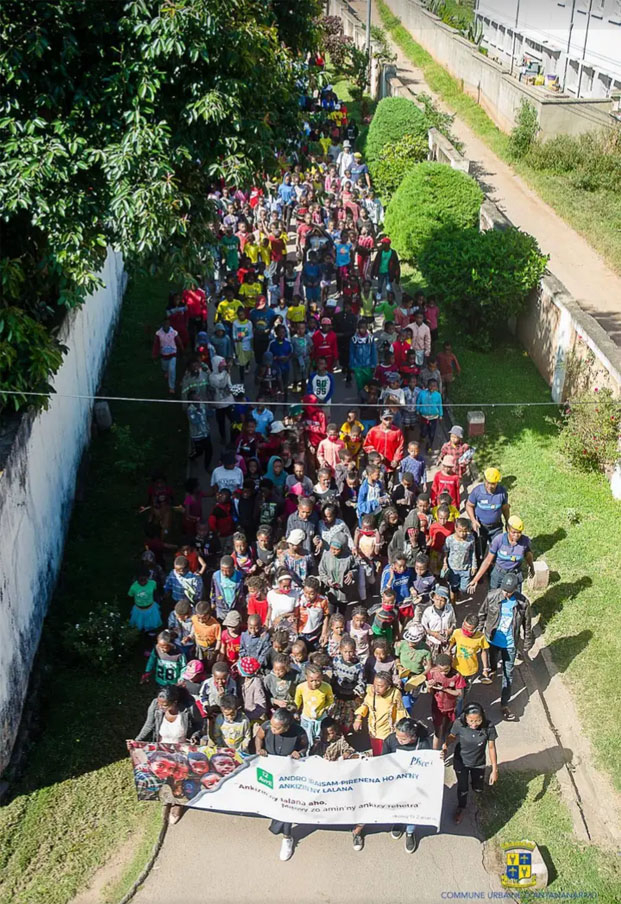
446, 481
257, 597
438, 532
221, 522
447, 686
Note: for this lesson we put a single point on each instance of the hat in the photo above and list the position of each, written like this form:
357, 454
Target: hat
277, 427
296, 537
516, 523
457, 431
509, 582
347, 143
385, 241
414, 634
357, 154
387, 413
232, 619
248, 666
295, 410
193, 670
326, 320
337, 542
492, 475
391, 377
447, 461
440, 590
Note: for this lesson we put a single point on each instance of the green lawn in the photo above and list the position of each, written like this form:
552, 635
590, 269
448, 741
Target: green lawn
595, 215
573, 522
75, 803
529, 807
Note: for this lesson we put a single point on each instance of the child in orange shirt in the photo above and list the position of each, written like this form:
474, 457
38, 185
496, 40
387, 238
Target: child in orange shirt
206, 633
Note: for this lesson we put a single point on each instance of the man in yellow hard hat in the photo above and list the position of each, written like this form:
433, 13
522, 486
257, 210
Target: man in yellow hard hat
487, 506
506, 554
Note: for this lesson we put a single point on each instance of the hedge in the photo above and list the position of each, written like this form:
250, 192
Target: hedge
431, 196
394, 118
484, 277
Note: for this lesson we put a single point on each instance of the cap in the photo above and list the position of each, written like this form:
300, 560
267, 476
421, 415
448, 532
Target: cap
447, 461
296, 537
248, 666
357, 154
337, 542
391, 377
492, 475
457, 431
387, 413
385, 241
193, 670
515, 522
326, 320
441, 590
414, 634
509, 582
231, 619
277, 427
295, 410
347, 143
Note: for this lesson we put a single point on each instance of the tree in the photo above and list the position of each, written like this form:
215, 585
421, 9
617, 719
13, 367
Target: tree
118, 117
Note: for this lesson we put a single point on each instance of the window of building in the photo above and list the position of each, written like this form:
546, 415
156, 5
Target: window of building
586, 85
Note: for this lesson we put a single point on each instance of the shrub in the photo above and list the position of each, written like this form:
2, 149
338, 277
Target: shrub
593, 159
396, 162
394, 118
101, 639
591, 429
430, 197
484, 277
525, 131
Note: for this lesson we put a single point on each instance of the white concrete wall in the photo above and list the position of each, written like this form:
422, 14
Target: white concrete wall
489, 83
37, 491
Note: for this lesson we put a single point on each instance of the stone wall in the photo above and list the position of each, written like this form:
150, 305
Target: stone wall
40, 455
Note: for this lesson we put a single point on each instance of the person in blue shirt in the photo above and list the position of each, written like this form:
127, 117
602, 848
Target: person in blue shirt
282, 350
344, 250
506, 554
286, 198
263, 418
429, 409
311, 278
415, 464
262, 318
398, 577
372, 494
487, 506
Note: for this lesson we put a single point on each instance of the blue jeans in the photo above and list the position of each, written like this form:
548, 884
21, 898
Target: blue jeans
312, 727
507, 657
169, 366
383, 282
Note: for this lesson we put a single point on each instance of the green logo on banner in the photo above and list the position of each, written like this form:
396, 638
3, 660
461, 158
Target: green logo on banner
265, 778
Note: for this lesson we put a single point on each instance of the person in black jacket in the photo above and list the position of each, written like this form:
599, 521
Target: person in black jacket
504, 614
408, 735
345, 325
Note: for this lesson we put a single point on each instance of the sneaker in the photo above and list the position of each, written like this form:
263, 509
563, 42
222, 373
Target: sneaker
396, 832
358, 842
411, 843
286, 848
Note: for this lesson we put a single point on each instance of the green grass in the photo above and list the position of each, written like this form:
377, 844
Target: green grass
75, 802
526, 806
573, 522
595, 215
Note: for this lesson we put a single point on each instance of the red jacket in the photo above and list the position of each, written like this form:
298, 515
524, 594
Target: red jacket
325, 347
389, 443
196, 303
445, 483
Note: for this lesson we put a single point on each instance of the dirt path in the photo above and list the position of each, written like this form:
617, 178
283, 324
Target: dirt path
585, 274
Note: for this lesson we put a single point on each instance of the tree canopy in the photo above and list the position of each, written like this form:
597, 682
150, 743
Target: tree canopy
115, 120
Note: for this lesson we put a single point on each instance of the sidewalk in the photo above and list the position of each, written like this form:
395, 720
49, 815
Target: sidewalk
594, 285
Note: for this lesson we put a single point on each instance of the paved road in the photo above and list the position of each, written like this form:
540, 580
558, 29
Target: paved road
594, 284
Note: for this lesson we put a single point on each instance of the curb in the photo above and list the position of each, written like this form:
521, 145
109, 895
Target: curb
151, 861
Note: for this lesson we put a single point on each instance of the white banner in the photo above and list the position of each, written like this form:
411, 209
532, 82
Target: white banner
404, 787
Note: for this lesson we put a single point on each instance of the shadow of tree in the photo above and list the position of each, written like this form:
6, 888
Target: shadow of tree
553, 600
544, 542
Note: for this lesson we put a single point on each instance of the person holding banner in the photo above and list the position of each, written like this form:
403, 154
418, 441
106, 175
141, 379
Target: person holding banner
408, 735
282, 736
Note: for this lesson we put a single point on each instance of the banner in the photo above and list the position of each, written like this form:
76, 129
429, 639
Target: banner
404, 787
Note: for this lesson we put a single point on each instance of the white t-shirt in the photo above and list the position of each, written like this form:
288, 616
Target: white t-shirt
227, 478
281, 603
172, 732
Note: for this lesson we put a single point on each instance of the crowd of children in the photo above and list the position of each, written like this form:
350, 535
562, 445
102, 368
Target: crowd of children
327, 579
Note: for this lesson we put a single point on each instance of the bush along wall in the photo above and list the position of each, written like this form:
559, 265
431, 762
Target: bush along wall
431, 197
394, 118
